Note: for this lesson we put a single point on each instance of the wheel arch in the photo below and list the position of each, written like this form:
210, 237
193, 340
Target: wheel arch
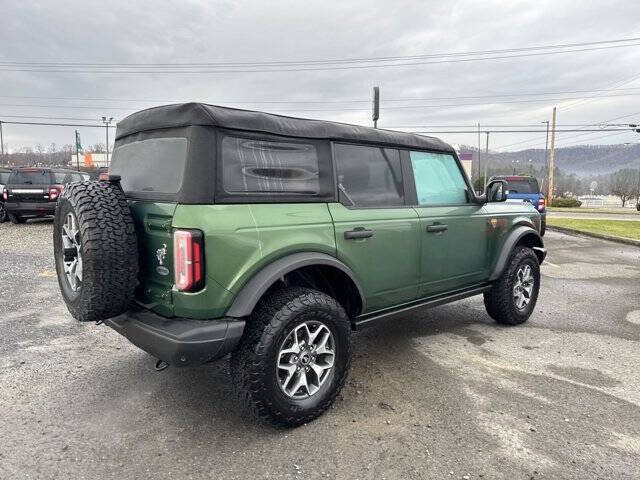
317, 270
522, 234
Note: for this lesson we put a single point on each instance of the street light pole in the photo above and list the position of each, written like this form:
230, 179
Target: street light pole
106, 122
486, 161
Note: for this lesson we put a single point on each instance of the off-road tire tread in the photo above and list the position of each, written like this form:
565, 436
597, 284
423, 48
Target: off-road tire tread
498, 301
109, 247
249, 359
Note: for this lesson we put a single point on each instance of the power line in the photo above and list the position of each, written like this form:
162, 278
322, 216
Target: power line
48, 118
396, 107
55, 124
367, 101
307, 69
323, 61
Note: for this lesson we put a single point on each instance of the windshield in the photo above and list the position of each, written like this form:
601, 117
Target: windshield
522, 186
153, 165
31, 177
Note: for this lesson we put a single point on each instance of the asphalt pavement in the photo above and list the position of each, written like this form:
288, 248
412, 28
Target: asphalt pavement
443, 394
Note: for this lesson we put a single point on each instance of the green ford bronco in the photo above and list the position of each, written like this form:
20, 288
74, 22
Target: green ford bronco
272, 238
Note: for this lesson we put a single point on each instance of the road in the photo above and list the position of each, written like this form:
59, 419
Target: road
442, 394
632, 216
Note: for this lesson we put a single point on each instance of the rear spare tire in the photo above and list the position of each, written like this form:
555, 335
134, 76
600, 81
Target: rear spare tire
96, 251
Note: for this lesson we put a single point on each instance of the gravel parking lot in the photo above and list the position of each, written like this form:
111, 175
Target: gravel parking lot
442, 394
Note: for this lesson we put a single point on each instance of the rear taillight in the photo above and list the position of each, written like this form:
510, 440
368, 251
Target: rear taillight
103, 176
54, 192
4, 194
541, 204
188, 260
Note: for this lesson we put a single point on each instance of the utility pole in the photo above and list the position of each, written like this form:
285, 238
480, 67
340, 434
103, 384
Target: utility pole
546, 146
551, 154
106, 122
376, 106
486, 161
479, 148
1, 145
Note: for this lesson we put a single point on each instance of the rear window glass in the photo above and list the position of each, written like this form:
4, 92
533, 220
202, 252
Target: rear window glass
261, 166
522, 186
153, 165
31, 177
4, 176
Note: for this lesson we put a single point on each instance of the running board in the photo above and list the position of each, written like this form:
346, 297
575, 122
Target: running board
371, 318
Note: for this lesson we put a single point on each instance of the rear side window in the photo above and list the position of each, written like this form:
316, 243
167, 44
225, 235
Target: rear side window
369, 176
438, 179
153, 165
269, 167
58, 177
31, 177
522, 186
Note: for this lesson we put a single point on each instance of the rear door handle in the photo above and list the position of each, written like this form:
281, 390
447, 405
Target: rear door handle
359, 232
437, 228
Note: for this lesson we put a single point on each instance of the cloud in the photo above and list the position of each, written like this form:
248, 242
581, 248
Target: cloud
252, 31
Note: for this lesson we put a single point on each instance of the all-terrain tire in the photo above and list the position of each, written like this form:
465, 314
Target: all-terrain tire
254, 362
3, 213
500, 301
108, 249
16, 219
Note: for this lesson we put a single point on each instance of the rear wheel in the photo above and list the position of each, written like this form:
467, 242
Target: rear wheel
294, 356
543, 227
95, 250
3, 213
513, 296
16, 219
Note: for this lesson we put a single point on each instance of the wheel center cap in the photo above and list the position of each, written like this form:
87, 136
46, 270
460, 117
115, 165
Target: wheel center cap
305, 359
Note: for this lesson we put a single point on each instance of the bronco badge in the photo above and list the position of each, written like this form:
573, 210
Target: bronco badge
161, 254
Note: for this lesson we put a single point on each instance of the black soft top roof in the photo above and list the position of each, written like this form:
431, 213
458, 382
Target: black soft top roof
185, 114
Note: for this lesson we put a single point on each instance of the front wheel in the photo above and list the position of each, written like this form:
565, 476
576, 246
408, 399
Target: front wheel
294, 356
513, 296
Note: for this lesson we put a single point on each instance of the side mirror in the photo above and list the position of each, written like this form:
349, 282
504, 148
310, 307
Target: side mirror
496, 191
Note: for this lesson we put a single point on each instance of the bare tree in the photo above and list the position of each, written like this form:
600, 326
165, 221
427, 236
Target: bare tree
623, 184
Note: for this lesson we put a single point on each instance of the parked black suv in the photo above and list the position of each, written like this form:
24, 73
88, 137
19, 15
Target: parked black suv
33, 192
4, 178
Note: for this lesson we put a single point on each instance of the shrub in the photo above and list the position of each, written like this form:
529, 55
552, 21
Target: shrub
566, 202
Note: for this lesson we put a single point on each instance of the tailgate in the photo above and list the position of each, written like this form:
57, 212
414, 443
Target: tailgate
27, 193
155, 243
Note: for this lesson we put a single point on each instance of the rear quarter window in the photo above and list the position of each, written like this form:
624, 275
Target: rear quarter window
269, 167
154, 165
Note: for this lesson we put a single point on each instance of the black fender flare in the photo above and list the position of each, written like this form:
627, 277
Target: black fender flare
511, 241
249, 295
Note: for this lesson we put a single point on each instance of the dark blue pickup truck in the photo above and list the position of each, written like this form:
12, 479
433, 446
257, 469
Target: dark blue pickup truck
526, 188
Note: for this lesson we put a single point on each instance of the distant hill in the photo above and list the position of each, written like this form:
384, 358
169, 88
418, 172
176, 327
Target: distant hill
583, 160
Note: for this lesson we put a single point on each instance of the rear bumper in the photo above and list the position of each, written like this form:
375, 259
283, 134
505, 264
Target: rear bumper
31, 208
178, 341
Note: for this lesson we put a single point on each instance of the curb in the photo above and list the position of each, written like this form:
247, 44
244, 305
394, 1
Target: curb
601, 236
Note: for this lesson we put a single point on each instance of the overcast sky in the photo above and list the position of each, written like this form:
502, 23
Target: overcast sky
125, 32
